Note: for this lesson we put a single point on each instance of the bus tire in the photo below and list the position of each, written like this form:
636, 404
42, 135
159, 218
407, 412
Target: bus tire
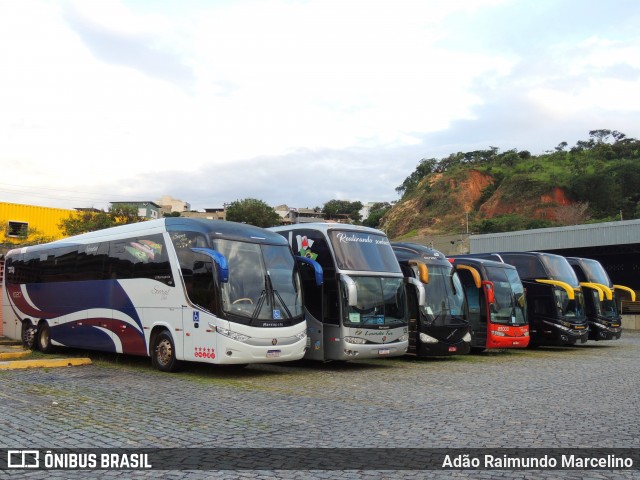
43, 338
28, 334
163, 354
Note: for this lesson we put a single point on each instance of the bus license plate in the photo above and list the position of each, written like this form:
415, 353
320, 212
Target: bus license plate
383, 351
453, 349
273, 353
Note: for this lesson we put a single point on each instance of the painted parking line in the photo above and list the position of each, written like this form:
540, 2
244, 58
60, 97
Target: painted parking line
53, 362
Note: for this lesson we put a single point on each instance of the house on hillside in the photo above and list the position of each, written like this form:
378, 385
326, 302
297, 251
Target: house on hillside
146, 209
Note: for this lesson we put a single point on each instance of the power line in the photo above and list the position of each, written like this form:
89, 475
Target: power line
64, 192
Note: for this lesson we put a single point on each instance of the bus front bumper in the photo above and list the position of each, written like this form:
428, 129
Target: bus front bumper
602, 331
234, 352
351, 351
442, 349
555, 334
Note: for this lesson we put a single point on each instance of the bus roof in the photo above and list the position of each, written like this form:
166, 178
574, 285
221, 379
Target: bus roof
219, 228
480, 262
406, 251
327, 226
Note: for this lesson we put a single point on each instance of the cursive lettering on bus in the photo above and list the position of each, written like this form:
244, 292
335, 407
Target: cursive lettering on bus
354, 238
163, 292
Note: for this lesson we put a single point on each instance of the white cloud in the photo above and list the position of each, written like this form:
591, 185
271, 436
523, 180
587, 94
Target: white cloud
125, 98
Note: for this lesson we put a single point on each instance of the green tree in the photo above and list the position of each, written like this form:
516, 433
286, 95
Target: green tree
90, 221
252, 211
424, 168
376, 213
336, 209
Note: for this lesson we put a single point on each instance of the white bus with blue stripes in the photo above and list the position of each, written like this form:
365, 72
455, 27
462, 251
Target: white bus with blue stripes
175, 289
360, 311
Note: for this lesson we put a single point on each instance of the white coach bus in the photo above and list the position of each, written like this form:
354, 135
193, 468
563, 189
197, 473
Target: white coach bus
174, 289
360, 311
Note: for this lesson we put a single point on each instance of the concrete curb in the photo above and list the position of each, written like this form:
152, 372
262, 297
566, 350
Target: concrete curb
14, 355
43, 363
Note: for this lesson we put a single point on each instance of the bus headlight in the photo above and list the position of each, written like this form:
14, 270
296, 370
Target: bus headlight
424, 338
301, 335
403, 338
467, 337
498, 334
239, 337
355, 340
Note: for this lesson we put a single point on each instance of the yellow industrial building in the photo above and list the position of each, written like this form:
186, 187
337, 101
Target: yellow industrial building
16, 219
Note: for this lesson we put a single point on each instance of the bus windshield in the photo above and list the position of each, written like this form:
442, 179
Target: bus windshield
444, 297
509, 306
263, 281
381, 302
605, 308
595, 272
559, 269
365, 252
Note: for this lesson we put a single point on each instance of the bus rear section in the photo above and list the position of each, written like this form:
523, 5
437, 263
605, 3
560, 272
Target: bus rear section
360, 310
496, 303
173, 289
555, 303
437, 315
605, 321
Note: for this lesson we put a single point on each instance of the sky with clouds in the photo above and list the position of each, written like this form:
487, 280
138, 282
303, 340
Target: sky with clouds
295, 102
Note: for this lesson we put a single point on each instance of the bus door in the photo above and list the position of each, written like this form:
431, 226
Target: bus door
312, 289
476, 303
199, 273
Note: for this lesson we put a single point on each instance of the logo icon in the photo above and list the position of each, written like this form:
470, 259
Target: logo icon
274, 341
23, 459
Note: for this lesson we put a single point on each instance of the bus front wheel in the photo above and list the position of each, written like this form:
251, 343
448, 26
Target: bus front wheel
163, 355
43, 338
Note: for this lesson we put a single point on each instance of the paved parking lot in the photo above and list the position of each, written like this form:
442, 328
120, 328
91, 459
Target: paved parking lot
575, 397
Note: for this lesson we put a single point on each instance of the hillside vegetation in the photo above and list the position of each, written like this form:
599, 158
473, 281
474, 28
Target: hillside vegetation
489, 191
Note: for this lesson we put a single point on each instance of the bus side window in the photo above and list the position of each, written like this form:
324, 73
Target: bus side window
92, 259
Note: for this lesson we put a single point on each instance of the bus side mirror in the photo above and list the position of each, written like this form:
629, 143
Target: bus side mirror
316, 268
474, 273
352, 290
488, 287
423, 270
220, 261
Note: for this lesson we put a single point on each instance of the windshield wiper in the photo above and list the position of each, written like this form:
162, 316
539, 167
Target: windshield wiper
275, 292
256, 311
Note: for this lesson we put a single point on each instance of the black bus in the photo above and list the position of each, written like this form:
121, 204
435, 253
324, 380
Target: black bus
605, 322
438, 323
555, 303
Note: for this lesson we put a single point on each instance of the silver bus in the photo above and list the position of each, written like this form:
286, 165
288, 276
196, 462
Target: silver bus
360, 311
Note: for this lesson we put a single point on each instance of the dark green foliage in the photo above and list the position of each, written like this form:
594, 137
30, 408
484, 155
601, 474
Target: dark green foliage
509, 223
376, 213
339, 209
252, 211
424, 168
90, 221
